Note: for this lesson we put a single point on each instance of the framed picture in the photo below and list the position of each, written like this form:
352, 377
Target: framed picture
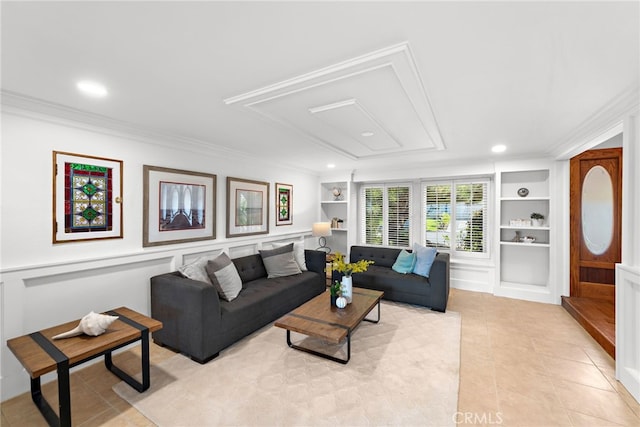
179, 206
247, 207
284, 204
87, 198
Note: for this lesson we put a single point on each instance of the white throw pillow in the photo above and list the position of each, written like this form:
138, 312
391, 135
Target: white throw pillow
196, 270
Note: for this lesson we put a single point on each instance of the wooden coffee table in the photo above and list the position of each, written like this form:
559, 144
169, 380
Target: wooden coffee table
39, 354
317, 318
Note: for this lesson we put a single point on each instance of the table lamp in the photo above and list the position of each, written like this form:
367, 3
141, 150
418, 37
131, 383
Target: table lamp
321, 230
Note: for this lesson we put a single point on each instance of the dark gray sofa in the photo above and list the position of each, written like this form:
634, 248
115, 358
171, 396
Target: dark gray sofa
432, 292
198, 323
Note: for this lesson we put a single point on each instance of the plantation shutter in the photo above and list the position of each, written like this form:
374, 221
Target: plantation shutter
437, 215
399, 214
372, 216
471, 214
385, 212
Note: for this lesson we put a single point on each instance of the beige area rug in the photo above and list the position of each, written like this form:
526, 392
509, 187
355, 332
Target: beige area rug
403, 371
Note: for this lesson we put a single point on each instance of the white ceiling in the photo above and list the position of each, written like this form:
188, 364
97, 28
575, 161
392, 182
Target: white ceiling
298, 83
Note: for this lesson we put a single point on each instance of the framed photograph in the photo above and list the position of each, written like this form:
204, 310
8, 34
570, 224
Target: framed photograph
247, 207
284, 204
179, 206
87, 198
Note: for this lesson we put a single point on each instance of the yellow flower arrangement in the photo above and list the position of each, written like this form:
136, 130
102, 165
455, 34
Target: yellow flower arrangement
352, 267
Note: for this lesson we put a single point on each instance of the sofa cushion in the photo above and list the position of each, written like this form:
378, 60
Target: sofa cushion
298, 253
224, 276
404, 262
386, 280
264, 300
380, 255
424, 259
196, 270
280, 262
250, 267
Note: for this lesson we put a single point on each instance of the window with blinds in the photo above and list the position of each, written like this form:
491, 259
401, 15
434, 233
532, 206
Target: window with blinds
386, 215
471, 208
437, 215
455, 216
372, 216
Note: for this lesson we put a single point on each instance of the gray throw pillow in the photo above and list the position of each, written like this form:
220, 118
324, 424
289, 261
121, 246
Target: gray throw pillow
195, 270
280, 262
224, 276
298, 253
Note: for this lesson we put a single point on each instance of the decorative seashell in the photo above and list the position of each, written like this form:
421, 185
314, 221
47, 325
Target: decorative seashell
93, 324
341, 302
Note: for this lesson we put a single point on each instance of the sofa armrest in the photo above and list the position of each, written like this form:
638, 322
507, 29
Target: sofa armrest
190, 314
439, 279
316, 261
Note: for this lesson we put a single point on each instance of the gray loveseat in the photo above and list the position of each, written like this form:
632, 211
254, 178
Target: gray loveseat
432, 292
198, 323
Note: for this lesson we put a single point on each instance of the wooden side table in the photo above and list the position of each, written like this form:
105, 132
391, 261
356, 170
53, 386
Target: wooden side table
39, 354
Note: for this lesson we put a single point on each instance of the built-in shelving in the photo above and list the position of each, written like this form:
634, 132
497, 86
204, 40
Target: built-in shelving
524, 266
543, 245
332, 206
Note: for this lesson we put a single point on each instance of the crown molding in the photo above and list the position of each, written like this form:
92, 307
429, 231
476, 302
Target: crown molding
603, 124
37, 109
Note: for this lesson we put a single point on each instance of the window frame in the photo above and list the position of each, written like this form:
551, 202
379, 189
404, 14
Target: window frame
423, 212
362, 235
453, 184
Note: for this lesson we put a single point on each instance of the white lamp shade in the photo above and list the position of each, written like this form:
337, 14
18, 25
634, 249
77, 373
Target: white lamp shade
321, 229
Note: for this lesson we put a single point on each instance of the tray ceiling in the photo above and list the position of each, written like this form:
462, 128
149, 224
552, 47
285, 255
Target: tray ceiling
370, 105
362, 85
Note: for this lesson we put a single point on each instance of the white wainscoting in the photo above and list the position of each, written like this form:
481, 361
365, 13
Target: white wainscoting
628, 328
39, 296
471, 277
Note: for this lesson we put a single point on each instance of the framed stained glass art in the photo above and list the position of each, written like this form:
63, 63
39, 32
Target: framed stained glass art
247, 207
179, 206
284, 204
87, 197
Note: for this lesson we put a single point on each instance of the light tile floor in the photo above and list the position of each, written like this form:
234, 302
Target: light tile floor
522, 364
531, 364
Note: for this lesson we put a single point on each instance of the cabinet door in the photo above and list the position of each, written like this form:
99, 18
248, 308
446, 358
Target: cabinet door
595, 210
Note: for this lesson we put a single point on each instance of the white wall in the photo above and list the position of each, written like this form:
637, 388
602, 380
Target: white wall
628, 271
42, 284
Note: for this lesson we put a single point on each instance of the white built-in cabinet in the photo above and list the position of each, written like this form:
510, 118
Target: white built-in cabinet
524, 247
332, 207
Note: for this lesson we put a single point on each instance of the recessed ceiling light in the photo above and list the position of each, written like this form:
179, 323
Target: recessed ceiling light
367, 134
91, 88
498, 148
331, 166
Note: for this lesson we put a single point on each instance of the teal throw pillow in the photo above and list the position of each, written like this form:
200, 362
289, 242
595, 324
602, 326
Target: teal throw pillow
424, 259
405, 262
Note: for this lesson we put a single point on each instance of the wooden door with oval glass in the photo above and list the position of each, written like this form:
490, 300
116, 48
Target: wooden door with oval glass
595, 212
595, 217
